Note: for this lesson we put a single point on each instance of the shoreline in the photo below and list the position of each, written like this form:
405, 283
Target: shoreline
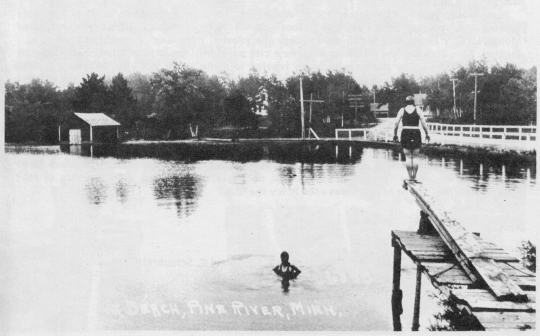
505, 155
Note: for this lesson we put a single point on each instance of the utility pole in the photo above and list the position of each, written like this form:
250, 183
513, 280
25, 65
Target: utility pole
353, 102
311, 101
302, 109
475, 74
454, 80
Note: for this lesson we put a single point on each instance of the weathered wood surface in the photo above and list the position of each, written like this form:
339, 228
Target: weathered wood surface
435, 256
506, 320
500, 326
482, 300
422, 247
476, 261
434, 248
485, 295
444, 272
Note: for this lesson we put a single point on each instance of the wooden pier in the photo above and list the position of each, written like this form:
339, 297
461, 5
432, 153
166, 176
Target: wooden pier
489, 286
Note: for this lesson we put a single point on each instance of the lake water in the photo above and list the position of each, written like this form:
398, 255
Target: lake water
184, 237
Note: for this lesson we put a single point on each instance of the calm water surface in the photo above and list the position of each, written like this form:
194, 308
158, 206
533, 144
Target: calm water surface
128, 242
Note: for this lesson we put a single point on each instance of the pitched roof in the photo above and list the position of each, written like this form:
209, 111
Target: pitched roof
374, 107
97, 119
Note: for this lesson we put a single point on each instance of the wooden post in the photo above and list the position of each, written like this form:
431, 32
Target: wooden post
397, 294
59, 135
416, 314
475, 91
310, 103
302, 109
454, 80
426, 227
91, 135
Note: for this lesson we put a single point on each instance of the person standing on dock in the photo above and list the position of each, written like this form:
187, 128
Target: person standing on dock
411, 138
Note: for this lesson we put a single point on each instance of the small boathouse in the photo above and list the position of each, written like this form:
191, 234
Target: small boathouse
88, 128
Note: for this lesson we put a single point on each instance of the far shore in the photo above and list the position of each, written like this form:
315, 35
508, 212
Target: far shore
525, 156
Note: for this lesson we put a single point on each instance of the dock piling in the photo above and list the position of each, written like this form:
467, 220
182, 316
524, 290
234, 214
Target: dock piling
397, 294
416, 314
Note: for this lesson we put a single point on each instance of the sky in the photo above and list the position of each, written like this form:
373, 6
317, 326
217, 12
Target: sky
63, 40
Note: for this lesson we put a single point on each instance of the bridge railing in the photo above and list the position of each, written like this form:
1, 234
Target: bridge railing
501, 136
488, 134
364, 134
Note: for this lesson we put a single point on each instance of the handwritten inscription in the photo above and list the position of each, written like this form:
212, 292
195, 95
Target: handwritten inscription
238, 308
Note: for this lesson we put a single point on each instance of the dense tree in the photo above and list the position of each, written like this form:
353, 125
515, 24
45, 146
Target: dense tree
505, 94
31, 111
179, 102
238, 110
440, 95
91, 95
186, 98
121, 105
394, 94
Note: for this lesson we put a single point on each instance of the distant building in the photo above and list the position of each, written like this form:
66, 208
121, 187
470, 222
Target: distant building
419, 102
379, 110
261, 102
89, 128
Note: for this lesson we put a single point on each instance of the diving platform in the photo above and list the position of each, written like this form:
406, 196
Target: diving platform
489, 287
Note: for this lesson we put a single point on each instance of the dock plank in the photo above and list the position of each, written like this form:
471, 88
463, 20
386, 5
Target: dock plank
485, 295
447, 273
466, 247
496, 326
501, 317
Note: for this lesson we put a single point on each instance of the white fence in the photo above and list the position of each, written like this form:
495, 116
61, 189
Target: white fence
501, 136
365, 133
506, 137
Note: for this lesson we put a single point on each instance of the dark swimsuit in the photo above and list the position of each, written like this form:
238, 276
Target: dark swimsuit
411, 138
287, 272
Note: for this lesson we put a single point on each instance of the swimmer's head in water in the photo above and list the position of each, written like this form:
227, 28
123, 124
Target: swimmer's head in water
284, 258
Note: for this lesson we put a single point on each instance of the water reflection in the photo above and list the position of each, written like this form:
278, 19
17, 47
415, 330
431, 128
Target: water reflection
285, 284
243, 152
75, 149
122, 190
476, 167
102, 150
337, 229
96, 190
482, 170
182, 188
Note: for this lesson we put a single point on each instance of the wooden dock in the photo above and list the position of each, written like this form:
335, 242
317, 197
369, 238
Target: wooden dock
483, 281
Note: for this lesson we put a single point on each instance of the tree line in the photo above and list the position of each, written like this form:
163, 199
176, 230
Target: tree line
506, 94
182, 101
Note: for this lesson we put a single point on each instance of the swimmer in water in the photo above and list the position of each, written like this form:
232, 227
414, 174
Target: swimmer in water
286, 271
